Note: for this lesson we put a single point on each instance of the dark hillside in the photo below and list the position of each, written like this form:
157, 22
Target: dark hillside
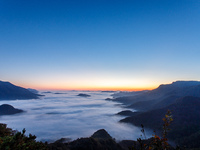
9, 91
6, 109
162, 96
186, 114
100, 140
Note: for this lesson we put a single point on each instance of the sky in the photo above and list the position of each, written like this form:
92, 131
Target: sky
99, 44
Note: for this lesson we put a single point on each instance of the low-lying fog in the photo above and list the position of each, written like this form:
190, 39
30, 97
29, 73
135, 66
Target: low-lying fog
63, 114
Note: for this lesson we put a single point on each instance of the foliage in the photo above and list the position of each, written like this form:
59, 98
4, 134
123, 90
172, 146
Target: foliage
13, 140
157, 143
5, 131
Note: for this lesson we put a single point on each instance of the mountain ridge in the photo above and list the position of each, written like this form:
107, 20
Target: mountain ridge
9, 91
185, 112
162, 96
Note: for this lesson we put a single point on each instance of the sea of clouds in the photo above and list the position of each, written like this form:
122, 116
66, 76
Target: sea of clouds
63, 114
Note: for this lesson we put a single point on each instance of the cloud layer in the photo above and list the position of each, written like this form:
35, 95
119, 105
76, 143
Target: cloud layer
67, 115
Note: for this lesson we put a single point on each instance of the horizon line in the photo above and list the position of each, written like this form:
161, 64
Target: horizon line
95, 89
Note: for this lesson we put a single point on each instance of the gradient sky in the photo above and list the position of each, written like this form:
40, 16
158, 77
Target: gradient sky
99, 44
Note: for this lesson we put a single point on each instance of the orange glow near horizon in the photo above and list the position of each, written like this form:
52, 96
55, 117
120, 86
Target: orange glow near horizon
97, 88
95, 85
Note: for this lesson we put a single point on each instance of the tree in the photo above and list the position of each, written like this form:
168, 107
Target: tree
14, 140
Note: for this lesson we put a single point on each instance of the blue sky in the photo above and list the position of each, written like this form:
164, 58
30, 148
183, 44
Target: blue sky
101, 44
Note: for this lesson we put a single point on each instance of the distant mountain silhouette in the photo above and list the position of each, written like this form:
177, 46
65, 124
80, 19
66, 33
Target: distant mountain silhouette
125, 93
59, 93
108, 91
126, 113
181, 97
6, 109
9, 91
83, 95
179, 88
47, 92
33, 91
162, 96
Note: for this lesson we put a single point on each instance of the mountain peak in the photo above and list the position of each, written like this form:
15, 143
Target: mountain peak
101, 134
